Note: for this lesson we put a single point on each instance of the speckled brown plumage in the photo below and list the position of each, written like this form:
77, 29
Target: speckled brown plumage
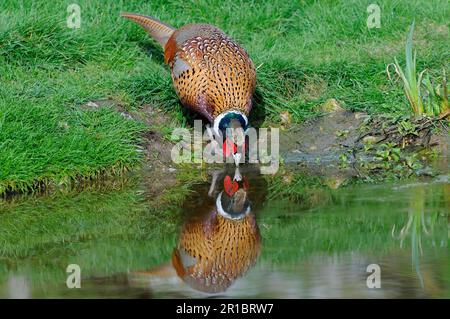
211, 73
213, 252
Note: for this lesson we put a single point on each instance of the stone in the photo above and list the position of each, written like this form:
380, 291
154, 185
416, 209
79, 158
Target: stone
331, 106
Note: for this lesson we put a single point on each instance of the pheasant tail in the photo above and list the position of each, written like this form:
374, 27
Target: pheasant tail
158, 30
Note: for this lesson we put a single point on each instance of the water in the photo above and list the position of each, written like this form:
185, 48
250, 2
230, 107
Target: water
270, 237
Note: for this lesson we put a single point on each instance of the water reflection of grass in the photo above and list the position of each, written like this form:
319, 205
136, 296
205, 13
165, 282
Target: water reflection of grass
300, 188
334, 228
114, 231
352, 220
417, 225
105, 232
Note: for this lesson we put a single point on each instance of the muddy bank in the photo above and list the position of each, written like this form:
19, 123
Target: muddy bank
362, 144
325, 138
336, 147
338, 144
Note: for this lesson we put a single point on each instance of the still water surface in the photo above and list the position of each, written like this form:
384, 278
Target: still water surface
234, 239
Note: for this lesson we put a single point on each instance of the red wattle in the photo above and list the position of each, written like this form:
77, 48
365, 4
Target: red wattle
229, 186
229, 148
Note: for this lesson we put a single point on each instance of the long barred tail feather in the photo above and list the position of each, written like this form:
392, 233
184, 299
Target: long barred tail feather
158, 30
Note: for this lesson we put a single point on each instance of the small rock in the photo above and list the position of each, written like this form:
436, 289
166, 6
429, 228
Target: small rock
334, 182
287, 179
360, 115
63, 125
331, 106
370, 139
92, 105
427, 171
126, 115
285, 118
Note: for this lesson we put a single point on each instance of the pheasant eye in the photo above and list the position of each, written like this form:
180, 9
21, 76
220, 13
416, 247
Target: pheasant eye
224, 124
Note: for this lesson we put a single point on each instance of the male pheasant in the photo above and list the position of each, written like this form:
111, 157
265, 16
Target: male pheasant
220, 243
211, 73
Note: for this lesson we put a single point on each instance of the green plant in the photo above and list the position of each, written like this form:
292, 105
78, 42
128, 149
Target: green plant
435, 97
433, 101
388, 152
411, 83
342, 133
343, 160
413, 162
406, 128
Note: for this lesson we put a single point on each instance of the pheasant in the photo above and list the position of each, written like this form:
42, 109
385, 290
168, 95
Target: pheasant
219, 240
212, 75
220, 245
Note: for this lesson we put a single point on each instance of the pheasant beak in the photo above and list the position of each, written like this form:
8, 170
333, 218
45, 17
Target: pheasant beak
230, 149
237, 158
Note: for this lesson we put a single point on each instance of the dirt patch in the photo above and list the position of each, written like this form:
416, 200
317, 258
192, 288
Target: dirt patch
158, 173
157, 147
433, 30
321, 139
344, 143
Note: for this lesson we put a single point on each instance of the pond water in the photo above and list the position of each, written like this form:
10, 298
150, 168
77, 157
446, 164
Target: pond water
231, 236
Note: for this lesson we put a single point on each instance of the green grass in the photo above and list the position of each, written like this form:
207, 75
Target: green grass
421, 93
306, 52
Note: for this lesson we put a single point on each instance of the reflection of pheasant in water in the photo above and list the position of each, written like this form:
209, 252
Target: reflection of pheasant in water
216, 249
212, 74
216, 245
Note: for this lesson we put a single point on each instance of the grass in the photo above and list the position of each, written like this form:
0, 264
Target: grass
422, 95
306, 52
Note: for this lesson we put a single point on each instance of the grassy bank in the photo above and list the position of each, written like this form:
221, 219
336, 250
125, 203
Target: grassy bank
306, 52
